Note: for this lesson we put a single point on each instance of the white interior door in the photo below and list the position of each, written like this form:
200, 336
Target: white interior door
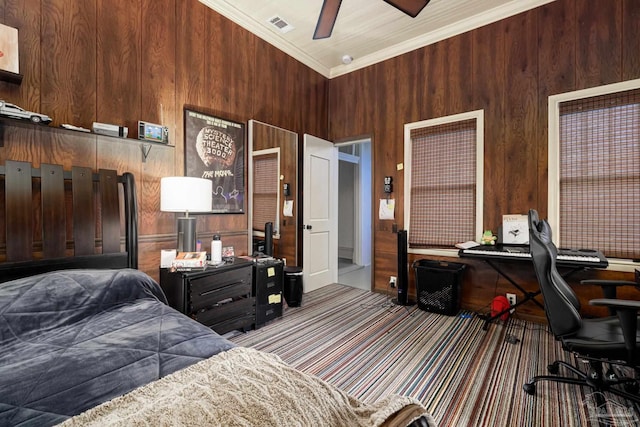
320, 213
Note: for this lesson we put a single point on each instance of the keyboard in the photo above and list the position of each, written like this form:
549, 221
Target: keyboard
589, 258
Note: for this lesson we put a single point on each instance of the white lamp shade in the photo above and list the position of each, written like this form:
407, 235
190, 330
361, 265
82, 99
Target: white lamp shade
185, 194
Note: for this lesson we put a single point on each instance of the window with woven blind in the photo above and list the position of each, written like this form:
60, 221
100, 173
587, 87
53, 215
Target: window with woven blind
599, 173
265, 190
444, 178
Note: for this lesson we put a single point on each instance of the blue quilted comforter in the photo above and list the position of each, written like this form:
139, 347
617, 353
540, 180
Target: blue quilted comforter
71, 340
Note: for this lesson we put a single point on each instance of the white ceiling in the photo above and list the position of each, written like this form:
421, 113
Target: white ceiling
369, 31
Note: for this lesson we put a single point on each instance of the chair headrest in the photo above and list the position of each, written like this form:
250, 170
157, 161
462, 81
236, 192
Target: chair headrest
541, 229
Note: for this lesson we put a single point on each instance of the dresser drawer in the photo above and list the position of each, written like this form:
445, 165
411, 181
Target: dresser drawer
240, 312
209, 290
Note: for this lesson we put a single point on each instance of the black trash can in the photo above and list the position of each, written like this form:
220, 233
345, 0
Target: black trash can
438, 285
293, 286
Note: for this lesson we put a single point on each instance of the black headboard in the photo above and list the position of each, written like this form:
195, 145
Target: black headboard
57, 219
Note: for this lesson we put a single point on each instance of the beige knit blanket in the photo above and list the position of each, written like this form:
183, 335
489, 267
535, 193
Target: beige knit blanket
246, 387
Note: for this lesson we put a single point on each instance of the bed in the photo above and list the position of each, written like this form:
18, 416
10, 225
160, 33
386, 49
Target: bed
87, 339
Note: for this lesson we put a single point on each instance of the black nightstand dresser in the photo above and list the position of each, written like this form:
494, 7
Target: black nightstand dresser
218, 297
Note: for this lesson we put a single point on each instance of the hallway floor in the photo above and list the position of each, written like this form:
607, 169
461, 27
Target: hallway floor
354, 275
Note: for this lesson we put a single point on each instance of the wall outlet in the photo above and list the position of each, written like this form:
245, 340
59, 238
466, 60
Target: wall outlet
392, 281
512, 301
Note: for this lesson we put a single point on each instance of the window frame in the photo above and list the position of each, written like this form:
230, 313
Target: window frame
553, 173
478, 116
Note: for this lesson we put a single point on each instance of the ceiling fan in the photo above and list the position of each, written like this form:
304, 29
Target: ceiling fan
330, 8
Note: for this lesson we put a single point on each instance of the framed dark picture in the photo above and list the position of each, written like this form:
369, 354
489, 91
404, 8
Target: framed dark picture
214, 148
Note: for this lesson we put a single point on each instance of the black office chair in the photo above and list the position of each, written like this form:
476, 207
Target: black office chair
612, 341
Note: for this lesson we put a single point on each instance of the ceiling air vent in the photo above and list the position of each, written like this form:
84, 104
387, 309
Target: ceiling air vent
280, 24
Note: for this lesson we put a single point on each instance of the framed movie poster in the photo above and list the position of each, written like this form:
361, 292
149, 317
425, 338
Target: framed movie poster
214, 149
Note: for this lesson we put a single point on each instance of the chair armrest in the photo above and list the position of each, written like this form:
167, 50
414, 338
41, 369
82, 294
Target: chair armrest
609, 288
627, 312
622, 304
616, 283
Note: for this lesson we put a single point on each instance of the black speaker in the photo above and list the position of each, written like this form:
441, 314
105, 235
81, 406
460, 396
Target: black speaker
268, 239
403, 270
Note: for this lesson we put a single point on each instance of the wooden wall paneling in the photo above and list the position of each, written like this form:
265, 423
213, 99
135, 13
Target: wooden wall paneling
149, 254
598, 42
299, 81
119, 57
190, 66
385, 259
630, 39
292, 106
68, 148
407, 91
352, 104
318, 120
404, 98
158, 66
435, 90
263, 86
556, 74
26, 16
69, 76
522, 138
285, 101
388, 135
489, 94
343, 100
120, 155
459, 84
276, 100
241, 66
20, 143
284, 85
151, 221
219, 60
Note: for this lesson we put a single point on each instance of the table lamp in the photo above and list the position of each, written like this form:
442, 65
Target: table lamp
185, 194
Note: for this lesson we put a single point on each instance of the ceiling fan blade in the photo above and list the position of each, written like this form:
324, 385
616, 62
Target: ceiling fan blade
327, 19
410, 7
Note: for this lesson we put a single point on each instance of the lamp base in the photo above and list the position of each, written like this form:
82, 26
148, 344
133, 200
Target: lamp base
186, 234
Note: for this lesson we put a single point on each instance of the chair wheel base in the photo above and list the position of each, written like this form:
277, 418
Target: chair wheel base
529, 388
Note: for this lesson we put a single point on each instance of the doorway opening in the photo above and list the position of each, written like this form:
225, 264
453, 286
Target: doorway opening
354, 213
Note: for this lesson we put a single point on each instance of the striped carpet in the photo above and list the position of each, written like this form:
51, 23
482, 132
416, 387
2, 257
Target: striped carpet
464, 376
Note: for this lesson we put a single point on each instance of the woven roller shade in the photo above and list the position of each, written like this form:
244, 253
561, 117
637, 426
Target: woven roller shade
443, 184
600, 174
265, 190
